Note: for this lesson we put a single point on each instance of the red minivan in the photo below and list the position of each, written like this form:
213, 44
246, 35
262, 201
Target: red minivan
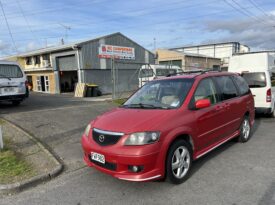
167, 124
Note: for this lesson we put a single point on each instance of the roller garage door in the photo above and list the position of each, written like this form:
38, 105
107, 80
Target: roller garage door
67, 63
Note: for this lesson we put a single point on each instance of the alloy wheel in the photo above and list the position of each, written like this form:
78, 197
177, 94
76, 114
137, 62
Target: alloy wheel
180, 162
246, 129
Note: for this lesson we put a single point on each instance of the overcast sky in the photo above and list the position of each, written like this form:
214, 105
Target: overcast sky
37, 23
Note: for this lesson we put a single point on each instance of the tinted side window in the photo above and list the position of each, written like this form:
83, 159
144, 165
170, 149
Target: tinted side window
241, 84
273, 79
255, 80
206, 90
227, 88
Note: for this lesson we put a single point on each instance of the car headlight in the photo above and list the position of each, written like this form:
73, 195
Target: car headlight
87, 130
142, 138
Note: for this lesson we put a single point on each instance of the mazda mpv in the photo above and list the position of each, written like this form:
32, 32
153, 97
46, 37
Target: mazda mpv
167, 124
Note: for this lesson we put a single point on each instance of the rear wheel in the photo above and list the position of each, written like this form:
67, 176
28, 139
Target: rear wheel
272, 114
16, 102
245, 130
179, 162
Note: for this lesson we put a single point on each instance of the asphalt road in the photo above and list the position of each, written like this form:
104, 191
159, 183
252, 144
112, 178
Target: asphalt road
232, 174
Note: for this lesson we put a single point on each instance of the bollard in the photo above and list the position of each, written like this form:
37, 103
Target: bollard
1, 139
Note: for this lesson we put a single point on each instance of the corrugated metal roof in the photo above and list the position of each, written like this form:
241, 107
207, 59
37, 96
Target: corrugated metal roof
61, 47
67, 46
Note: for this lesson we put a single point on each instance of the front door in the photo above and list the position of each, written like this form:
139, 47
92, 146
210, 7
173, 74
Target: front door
211, 119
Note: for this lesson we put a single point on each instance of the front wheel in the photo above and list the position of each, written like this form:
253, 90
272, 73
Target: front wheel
16, 102
179, 162
245, 130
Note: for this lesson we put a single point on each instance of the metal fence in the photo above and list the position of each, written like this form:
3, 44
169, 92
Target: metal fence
124, 81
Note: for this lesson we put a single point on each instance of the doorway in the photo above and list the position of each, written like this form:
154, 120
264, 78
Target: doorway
43, 84
68, 81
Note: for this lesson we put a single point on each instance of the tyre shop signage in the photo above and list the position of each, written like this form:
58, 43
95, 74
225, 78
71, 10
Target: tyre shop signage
117, 52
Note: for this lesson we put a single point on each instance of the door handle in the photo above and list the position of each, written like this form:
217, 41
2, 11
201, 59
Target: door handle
218, 108
226, 105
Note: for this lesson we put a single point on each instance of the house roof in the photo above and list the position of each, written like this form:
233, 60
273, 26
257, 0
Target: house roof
188, 54
254, 52
68, 46
209, 44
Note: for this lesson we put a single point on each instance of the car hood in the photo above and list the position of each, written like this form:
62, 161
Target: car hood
132, 120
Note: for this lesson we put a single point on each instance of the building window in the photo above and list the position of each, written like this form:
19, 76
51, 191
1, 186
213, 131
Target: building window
36, 60
46, 57
171, 63
29, 61
38, 82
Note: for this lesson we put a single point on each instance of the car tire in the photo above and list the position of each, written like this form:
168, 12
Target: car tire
272, 114
179, 162
16, 102
245, 130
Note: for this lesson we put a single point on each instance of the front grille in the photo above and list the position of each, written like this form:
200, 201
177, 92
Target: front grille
107, 165
105, 138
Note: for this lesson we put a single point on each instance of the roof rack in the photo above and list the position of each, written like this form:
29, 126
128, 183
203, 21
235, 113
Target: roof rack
199, 72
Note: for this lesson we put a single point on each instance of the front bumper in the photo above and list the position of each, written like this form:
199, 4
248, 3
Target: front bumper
13, 97
117, 165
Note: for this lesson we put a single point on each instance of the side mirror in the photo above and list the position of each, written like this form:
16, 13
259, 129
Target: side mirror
203, 103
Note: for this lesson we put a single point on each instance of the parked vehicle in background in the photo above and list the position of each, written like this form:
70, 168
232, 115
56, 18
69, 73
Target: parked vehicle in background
151, 72
13, 84
167, 124
258, 69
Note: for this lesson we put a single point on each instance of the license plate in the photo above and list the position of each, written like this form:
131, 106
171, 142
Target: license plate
8, 90
98, 157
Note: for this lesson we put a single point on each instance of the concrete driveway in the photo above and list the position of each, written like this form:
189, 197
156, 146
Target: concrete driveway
232, 174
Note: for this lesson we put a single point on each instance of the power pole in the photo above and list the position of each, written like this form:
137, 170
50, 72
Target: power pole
113, 76
1, 139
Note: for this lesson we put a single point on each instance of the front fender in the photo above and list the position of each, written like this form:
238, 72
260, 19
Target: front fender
170, 138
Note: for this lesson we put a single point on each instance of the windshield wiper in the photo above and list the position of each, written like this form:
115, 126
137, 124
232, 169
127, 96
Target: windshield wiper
5, 76
144, 106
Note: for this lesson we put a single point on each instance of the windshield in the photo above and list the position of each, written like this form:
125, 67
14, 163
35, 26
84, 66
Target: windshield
10, 71
165, 72
144, 73
255, 80
162, 94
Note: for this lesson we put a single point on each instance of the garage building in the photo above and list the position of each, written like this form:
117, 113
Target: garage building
58, 69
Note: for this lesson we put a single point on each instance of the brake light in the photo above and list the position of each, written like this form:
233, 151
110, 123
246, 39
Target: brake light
268, 95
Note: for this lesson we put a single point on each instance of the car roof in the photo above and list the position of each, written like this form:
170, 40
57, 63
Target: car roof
200, 75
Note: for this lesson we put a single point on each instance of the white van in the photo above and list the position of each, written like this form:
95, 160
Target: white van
151, 72
258, 69
13, 82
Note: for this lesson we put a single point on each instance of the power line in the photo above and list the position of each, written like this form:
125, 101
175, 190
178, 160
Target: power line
25, 18
146, 24
260, 9
112, 19
129, 12
243, 10
8, 26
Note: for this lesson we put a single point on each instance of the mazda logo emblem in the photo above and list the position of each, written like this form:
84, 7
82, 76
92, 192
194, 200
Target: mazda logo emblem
101, 138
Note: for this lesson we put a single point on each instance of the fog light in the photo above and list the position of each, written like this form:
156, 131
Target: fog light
135, 168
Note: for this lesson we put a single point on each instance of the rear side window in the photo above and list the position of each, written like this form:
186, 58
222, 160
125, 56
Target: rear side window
241, 84
10, 71
227, 88
255, 80
146, 73
273, 79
